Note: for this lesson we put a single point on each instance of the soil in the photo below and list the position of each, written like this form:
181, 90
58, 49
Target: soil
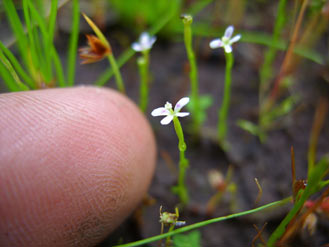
269, 162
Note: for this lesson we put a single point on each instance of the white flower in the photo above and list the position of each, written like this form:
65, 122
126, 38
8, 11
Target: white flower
169, 112
226, 40
145, 42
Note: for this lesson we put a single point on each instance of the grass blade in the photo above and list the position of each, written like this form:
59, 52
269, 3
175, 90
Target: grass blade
52, 20
71, 60
41, 22
10, 76
59, 68
18, 68
266, 69
17, 27
49, 49
313, 185
8, 79
204, 223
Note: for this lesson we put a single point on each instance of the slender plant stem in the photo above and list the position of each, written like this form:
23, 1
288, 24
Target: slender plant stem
58, 67
117, 74
187, 20
223, 111
318, 122
183, 163
143, 64
284, 70
205, 223
44, 46
266, 69
72, 50
171, 228
52, 20
97, 31
31, 47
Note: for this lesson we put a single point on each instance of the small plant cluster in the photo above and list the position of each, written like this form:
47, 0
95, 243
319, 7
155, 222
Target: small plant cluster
39, 66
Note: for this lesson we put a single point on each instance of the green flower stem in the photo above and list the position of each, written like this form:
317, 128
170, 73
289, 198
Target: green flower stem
205, 223
223, 111
183, 163
117, 74
143, 64
187, 20
168, 239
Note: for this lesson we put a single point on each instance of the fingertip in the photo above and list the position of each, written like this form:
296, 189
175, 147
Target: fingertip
75, 163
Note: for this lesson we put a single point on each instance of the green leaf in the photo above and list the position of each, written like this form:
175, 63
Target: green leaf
205, 102
317, 5
251, 128
187, 240
248, 126
279, 111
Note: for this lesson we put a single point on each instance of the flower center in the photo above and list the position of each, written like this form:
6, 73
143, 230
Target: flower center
168, 106
226, 41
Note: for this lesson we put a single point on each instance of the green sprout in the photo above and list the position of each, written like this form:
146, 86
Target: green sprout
144, 46
195, 99
172, 115
226, 43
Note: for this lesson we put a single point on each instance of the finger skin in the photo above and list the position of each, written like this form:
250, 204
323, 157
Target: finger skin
73, 164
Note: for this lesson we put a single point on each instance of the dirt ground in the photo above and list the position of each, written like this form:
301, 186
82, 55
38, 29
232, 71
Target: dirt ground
269, 162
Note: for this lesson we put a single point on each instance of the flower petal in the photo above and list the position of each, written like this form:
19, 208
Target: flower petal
228, 48
136, 47
161, 111
167, 120
235, 38
182, 114
229, 31
181, 103
144, 39
216, 43
152, 41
